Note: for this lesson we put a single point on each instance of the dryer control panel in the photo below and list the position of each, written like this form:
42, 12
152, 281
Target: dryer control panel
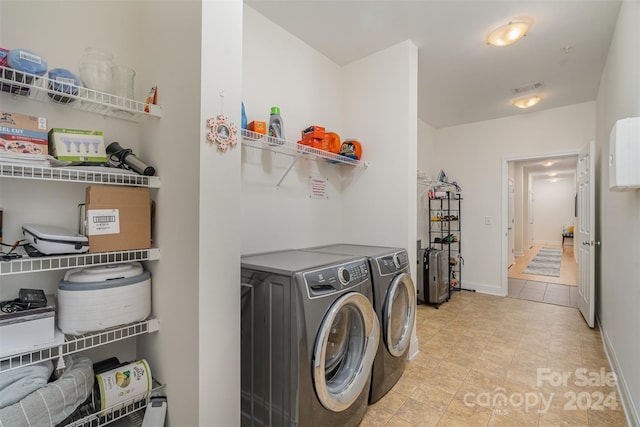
392, 263
329, 280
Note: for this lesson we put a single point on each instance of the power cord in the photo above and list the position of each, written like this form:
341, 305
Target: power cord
7, 256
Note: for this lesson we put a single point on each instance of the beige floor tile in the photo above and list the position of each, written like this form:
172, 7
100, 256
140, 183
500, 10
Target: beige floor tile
557, 418
375, 417
418, 414
459, 414
426, 361
454, 369
432, 396
406, 385
398, 422
444, 381
390, 402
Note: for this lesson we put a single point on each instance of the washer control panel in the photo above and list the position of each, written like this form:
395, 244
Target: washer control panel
392, 263
329, 280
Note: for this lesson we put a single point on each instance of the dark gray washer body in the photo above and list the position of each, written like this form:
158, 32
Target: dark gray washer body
281, 317
387, 368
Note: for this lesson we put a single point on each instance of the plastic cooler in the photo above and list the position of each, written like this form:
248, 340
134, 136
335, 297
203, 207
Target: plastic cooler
96, 298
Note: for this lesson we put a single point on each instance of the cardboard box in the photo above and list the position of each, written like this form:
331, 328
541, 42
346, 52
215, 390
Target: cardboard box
77, 145
117, 218
258, 127
20, 133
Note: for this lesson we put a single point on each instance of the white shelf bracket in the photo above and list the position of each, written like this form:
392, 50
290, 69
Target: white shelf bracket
286, 172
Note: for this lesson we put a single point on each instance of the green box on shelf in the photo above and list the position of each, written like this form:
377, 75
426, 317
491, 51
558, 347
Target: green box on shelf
77, 145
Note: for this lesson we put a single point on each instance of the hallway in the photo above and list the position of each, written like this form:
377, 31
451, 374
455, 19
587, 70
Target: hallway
561, 290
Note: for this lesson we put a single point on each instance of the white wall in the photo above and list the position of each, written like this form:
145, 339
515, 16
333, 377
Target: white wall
472, 155
280, 70
352, 101
554, 208
428, 164
380, 107
219, 221
617, 291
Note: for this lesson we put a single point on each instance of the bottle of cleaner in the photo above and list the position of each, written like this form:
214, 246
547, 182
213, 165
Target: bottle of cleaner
276, 127
243, 117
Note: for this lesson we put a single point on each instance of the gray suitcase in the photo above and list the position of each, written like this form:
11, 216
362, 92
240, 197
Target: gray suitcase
434, 287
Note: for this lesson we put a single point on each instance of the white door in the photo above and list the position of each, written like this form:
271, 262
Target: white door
512, 223
586, 233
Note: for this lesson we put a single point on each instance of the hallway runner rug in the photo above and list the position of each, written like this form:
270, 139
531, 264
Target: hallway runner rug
545, 263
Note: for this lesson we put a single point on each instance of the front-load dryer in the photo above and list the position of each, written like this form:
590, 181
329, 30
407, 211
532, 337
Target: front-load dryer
309, 336
394, 298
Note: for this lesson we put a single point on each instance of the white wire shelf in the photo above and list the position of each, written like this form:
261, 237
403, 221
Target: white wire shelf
265, 142
21, 84
122, 410
294, 150
70, 174
63, 262
76, 343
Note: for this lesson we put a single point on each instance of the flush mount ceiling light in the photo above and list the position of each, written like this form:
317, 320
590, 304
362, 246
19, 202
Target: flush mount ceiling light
527, 102
547, 163
509, 33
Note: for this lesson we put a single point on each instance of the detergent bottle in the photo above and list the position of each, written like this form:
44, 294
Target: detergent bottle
276, 127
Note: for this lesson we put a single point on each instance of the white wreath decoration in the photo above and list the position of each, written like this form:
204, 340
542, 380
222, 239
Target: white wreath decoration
223, 132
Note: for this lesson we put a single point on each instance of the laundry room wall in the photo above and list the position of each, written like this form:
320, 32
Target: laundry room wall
380, 110
372, 100
472, 155
427, 164
618, 227
280, 70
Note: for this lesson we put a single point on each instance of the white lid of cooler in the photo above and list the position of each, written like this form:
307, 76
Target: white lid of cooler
104, 272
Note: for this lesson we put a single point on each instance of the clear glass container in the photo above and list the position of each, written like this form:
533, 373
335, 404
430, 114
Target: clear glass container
96, 69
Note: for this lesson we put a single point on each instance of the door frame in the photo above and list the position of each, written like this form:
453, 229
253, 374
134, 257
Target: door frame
504, 200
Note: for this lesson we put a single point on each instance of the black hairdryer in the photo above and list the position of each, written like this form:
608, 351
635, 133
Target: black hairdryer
124, 158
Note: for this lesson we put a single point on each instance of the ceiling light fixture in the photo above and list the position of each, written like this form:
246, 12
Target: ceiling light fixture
527, 102
547, 163
509, 33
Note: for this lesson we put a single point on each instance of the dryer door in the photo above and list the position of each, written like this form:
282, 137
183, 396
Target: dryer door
345, 348
399, 313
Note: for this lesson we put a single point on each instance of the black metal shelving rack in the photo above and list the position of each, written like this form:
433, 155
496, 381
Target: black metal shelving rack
445, 233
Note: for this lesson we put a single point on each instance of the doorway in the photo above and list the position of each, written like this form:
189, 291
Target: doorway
539, 206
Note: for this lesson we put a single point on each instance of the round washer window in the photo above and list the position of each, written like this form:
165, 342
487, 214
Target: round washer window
345, 348
399, 313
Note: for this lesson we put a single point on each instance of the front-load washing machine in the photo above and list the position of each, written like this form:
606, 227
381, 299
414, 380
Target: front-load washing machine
394, 298
309, 336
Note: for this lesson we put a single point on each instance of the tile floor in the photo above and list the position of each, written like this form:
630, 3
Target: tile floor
479, 363
550, 293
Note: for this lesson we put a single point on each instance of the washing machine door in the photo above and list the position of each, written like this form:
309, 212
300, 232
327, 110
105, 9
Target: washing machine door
398, 314
345, 347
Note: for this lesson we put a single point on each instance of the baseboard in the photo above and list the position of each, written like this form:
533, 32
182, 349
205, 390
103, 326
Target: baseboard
518, 253
483, 288
630, 411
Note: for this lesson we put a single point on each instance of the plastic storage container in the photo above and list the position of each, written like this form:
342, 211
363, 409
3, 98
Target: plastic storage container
96, 298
